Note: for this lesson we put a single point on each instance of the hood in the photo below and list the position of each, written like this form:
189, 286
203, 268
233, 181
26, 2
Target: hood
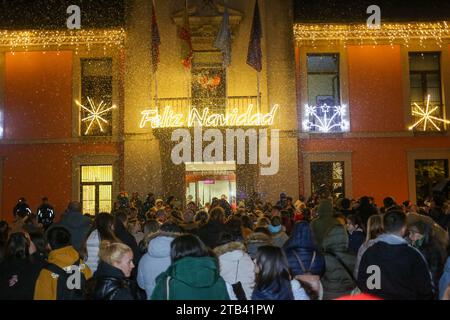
236, 247
206, 271
258, 237
336, 240
302, 237
391, 239
63, 257
325, 209
75, 220
159, 247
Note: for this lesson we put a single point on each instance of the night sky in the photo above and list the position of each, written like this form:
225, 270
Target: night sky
355, 11
51, 14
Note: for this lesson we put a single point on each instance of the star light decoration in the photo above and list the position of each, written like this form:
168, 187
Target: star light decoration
325, 118
95, 113
426, 116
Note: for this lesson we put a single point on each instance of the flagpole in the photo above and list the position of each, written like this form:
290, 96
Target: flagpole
258, 90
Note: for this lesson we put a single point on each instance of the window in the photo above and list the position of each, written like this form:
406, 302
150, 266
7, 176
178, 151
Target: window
96, 188
96, 95
329, 176
425, 81
208, 82
428, 174
324, 112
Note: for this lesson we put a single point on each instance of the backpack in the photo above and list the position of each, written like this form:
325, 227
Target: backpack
63, 292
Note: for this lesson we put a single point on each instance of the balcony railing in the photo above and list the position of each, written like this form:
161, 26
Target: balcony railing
183, 105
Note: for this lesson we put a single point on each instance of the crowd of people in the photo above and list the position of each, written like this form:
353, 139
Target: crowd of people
322, 248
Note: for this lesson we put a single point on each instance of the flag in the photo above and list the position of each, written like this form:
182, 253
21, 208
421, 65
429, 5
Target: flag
185, 35
156, 40
254, 54
223, 40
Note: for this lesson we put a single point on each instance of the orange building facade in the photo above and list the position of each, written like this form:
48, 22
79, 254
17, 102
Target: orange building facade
383, 82
42, 146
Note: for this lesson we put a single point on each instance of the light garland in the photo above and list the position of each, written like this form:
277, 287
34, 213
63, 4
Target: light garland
55, 39
362, 34
95, 113
426, 117
325, 119
169, 119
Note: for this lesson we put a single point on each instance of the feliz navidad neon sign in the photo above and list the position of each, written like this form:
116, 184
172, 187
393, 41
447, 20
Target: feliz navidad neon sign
204, 118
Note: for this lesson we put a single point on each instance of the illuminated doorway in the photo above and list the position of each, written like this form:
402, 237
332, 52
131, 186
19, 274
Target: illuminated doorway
205, 181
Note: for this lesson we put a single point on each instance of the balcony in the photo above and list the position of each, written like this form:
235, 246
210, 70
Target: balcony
183, 105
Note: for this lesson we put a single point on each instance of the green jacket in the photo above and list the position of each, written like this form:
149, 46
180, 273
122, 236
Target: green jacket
324, 222
337, 281
191, 279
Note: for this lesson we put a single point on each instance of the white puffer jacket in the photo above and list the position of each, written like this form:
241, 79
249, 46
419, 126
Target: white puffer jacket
236, 265
93, 248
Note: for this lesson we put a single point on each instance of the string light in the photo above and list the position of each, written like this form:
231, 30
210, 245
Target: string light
325, 119
392, 32
426, 116
58, 38
169, 119
95, 113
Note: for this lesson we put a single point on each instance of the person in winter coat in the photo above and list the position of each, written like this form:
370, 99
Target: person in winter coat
247, 226
18, 273
421, 237
157, 258
103, 231
122, 233
45, 213
338, 278
365, 209
21, 209
63, 255
77, 224
302, 252
355, 232
374, 229
440, 234
404, 273
193, 275
210, 233
324, 221
279, 236
259, 237
112, 278
273, 280
235, 264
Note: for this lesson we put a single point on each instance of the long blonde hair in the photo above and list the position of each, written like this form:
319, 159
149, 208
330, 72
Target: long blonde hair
374, 226
113, 252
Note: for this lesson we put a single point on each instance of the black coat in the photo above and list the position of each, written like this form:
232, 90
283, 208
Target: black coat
127, 238
404, 272
18, 279
211, 232
109, 283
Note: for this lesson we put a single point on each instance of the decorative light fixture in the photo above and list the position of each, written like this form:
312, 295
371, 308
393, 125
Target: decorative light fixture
426, 116
325, 119
362, 34
55, 39
95, 113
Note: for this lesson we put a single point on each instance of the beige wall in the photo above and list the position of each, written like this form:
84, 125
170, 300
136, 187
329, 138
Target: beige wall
142, 161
